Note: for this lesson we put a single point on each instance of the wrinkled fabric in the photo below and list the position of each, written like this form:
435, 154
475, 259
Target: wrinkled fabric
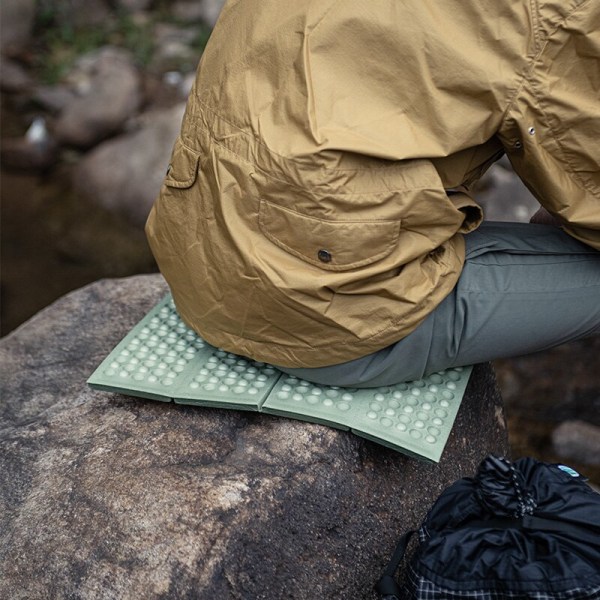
503, 492
318, 194
456, 555
510, 270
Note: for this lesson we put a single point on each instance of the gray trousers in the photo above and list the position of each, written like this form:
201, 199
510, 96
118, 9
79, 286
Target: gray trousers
524, 288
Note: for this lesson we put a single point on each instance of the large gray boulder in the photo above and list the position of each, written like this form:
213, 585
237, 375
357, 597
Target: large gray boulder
106, 496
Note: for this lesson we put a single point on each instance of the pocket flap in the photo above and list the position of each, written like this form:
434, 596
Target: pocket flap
335, 245
183, 168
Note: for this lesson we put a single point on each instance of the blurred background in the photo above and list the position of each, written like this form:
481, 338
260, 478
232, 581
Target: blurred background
92, 96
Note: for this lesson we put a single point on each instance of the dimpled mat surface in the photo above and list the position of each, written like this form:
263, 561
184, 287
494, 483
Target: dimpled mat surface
162, 359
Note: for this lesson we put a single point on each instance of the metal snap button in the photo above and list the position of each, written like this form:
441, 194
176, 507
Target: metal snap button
324, 256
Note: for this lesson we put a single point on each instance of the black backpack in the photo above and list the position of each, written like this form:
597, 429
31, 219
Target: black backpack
526, 530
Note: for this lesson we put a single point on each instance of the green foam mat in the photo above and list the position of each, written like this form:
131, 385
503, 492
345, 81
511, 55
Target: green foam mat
162, 359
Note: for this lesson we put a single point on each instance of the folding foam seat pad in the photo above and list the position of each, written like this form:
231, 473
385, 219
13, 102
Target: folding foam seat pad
163, 359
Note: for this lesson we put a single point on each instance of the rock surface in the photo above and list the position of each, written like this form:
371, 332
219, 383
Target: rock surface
124, 174
108, 496
108, 89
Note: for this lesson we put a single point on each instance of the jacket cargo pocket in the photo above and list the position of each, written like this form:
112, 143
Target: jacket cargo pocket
334, 245
183, 168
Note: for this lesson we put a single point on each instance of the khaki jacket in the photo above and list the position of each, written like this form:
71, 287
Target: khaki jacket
314, 206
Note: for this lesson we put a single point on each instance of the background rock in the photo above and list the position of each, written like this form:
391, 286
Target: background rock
107, 496
173, 48
108, 91
36, 150
577, 440
20, 153
16, 24
54, 98
77, 13
135, 5
190, 10
503, 196
543, 390
13, 78
124, 175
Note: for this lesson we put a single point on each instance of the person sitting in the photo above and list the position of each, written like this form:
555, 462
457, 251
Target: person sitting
317, 212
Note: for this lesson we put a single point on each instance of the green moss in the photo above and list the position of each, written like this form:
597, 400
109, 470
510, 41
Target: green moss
135, 37
61, 47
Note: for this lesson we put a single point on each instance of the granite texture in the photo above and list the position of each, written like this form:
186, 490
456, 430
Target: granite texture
104, 496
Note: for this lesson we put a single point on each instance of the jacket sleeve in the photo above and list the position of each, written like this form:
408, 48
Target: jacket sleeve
472, 211
551, 130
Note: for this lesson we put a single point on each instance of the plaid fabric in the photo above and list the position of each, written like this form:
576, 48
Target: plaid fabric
418, 587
